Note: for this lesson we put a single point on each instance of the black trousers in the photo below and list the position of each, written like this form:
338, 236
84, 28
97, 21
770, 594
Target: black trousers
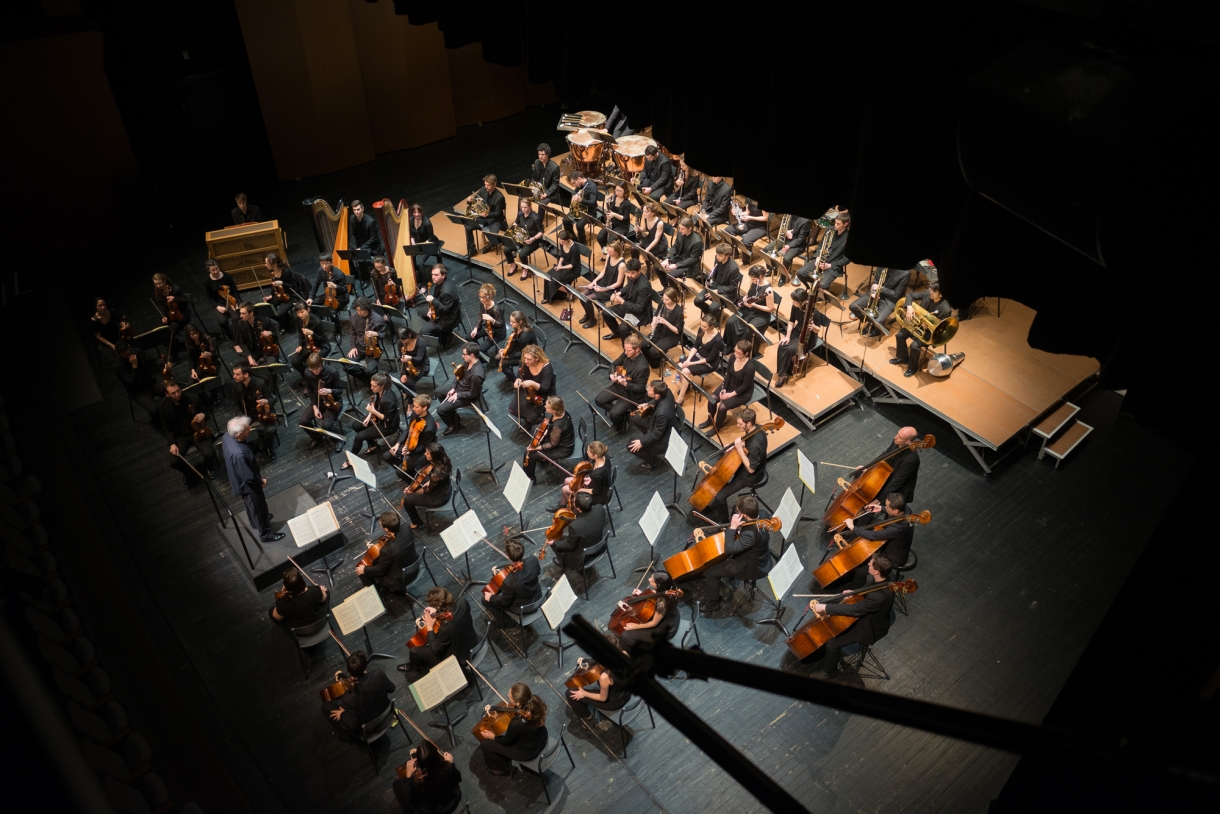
529, 414
711, 579
577, 228
884, 309
427, 500
224, 320
149, 402
441, 329
369, 434
718, 408
447, 410
789, 255
266, 435
665, 342
718, 509
410, 462
205, 450
329, 421
653, 452
584, 707
908, 354
832, 650
751, 235
483, 225
615, 408
348, 723
706, 302
256, 510
500, 758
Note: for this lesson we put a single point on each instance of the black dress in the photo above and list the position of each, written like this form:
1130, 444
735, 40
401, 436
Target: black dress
521, 741
736, 381
559, 443
424, 263
435, 492
662, 336
531, 414
709, 354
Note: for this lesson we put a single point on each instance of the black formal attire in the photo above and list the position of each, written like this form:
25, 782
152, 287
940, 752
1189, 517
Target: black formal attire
298, 359
106, 330
583, 532
587, 195
363, 233
750, 231
548, 175
637, 301
716, 203
245, 399
736, 381
448, 311
749, 551
734, 331
610, 274
686, 253
419, 358
724, 279
456, 637
599, 483
616, 229
248, 337
896, 281
362, 704
873, 612
330, 379
688, 194
897, 536
663, 337
638, 373
532, 224
785, 354
617, 697
468, 390
211, 289
655, 442
836, 256
756, 454
247, 482
658, 176
306, 607
521, 741
380, 279
317, 292
435, 492
911, 355
512, 359
905, 475
709, 353
360, 325
519, 588
489, 339
177, 328
665, 629
423, 263
800, 228
411, 460
433, 795
138, 382
386, 570
297, 288
519, 406
252, 215
195, 351
387, 405
491, 223
567, 276
645, 235
559, 443
176, 425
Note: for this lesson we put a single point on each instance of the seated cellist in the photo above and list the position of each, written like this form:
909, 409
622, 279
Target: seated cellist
873, 612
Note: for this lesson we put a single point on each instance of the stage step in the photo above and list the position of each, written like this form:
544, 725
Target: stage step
1053, 424
1076, 432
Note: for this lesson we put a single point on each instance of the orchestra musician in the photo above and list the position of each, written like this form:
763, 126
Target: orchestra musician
873, 612
603, 286
753, 453
493, 221
688, 187
755, 308
412, 458
436, 488
442, 297
525, 737
397, 554
248, 334
490, 329
584, 190
522, 336
226, 315
704, 356
567, 266
716, 200
105, 325
616, 216
177, 410
531, 222
198, 342
634, 298
301, 604
382, 275
664, 621
785, 354
362, 233
596, 483
932, 301
132, 370
657, 179
611, 695
429, 783
650, 230
905, 465
455, 637
166, 292
897, 536
751, 225
245, 478
365, 324
792, 242
896, 281
546, 172
293, 284
585, 531
308, 329
625, 391
560, 439
328, 273
250, 391
835, 264
463, 392
321, 380
363, 702
382, 418
736, 389
667, 324
686, 255
666, 413
749, 551
535, 378
411, 348
521, 587
245, 212
421, 233
722, 284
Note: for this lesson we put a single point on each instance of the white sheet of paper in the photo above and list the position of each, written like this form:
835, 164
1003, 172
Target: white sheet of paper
789, 513
676, 453
807, 471
785, 573
361, 469
348, 617
517, 490
457, 540
654, 519
557, 604
302, 530
368, 603
441, 681
491, 425
471, 525
322, 518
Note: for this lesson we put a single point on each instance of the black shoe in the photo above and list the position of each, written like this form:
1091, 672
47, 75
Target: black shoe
450, 430
586, 324
270, 517
908, 373
610, 336
339, 445
897, 361
709, 607
273, 536
706, 424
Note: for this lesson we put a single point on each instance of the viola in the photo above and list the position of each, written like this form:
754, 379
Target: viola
206, 365
857, 552
432, 306
587, 672
310, 345
328, 403
638, 609
263, 411
372, 347
338, 688
709, 550
822, 628
405, 355
421, 478
508, 346
421, 636
223, 291
200, 429
539, 437
498, 575
173, 311
459, 371
644, 409
125, 330
391, 298
718, 476
860, 492
374, 550
417, 428
270, 346
278, 292
167, 370
331, 298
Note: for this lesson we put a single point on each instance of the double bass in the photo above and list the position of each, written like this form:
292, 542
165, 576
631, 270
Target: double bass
717, 477
821, 629
863, 490
709, 550
857, 552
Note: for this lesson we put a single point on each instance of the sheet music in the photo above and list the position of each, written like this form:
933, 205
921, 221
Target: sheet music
785, 573
654, 519
301, 529
348, 617
361, 469
463, 534
517, 490
675, 455
561, 599
441, 681
789, 513
491, 425
322, 518
807, 471
368, 603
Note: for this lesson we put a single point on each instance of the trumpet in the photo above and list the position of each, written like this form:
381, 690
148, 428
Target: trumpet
477, 207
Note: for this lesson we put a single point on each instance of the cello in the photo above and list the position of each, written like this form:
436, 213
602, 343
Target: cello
717, 477
823, 627
374, 550
860, 492
853, 554
495, 718
587, 672
709, 550
637, 608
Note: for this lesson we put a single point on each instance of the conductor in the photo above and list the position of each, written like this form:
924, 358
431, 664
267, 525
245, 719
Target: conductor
245, 478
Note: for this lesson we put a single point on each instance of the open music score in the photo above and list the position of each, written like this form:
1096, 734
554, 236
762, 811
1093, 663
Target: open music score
789, 513
442, 681
358, 610
675, 454
463, 534
316, 524
807, 471
653, 521
560, 601
785, 572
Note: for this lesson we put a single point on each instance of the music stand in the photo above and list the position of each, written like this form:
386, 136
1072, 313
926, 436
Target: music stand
520, 190
276, 369
347, 366
217, 502
601, 363
358, 257
556, 212
322, 435
489, 427
508, 243
414, 250
546, 278
462, 220
576, 297
596, 414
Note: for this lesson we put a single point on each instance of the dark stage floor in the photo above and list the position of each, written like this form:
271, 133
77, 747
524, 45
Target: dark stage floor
1016, 570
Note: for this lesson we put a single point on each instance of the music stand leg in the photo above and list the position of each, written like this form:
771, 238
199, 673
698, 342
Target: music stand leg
368, 647
449, 722
777, 619
331, 475
491, 469
601, 363
469, 269
653, 559
504, 280
801, 503
327, 569
470, 580
370, 514
558, 646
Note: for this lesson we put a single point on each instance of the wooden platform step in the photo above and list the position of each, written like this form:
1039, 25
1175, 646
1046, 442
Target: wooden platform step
1061, 447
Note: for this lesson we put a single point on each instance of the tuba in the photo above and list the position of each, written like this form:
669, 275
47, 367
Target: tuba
925, 328
477, 208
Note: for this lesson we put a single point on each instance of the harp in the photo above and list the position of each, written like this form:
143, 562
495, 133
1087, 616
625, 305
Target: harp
395, 232
330, 229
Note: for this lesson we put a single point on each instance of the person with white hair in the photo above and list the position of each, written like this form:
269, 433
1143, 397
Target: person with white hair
245, 477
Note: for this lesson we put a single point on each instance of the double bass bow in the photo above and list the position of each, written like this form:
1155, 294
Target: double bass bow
401, 771
857, 552
863, 490
717, 477
709, 550
810, 636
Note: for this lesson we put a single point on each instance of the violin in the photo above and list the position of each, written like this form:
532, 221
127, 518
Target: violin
263, 410
372, 347
709, 550
223, 291
644, 409
331, 297
167, 370
374, 550
200, 429
278, 292
822, 628
421, 636
621, 370
864, 489
173, 311
587, 672
390, 298
498, 575
310, 345
417, 428
638, 609
206, 366
420, 479
125, 330
857, 552
508, 346
328, 403
270, 346
718, 476
405, 355
459, 371
539, 437
432, 307
338, 688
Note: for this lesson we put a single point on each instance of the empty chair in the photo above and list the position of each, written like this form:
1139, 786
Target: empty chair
525, 616
478, 653
376, 729
546, 758
626, 714
688, 627
593, 554
309, 635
